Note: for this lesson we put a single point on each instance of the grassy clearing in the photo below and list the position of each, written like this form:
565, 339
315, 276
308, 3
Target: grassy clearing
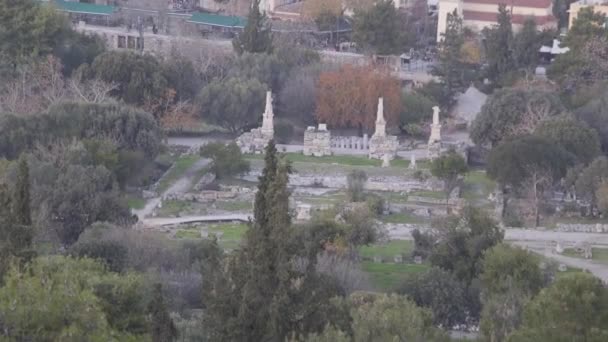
428, 194
393, 197
400, 218
229, 235
173, 207
387, 250
192, 233
179, 168
599, 254
338, 159
335, 159
387, 276
234, 205
135, 202
477, 185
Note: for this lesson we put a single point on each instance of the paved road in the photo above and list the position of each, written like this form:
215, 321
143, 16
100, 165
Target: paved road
598, 269
168, 221
180, 186
542, 242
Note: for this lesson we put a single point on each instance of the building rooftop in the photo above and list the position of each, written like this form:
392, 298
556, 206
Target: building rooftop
83, 8
217, 20
515, 19
518, 3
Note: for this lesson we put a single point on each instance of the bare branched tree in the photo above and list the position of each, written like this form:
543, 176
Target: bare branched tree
92, 91
539, 180
344, 270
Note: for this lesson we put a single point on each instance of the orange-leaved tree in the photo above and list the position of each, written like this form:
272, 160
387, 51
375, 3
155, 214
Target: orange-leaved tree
348, 97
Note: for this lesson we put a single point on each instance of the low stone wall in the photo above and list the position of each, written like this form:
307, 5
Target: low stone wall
582, 228
203, 196
387, 183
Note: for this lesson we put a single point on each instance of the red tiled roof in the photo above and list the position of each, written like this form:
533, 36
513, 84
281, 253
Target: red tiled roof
509, 3
515, 19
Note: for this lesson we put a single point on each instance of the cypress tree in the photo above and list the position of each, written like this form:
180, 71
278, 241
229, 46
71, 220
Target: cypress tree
499, 45
256, 36
450, 65
22, 230
259, 256
261, 296
163, 328
21, 195
6, 224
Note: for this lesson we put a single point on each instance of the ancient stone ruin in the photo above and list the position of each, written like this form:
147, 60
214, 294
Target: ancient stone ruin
413, 162
256, 140
434, 146
380, 143
350, 144
317, 141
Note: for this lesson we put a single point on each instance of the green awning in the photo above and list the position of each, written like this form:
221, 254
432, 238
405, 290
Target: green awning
83, 8
217, 20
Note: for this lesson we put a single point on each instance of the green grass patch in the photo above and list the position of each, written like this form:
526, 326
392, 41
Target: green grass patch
188, 234
229, 235
567, 272
428, 194
400, 218
394, 197
337, 159
477, 185
598, 254
179, 168
387, 276
234, 205
387, 250
173, 207
135, 202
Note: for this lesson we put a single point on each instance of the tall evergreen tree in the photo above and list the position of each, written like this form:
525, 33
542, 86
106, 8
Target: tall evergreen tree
163, 328
256, 36
526, 45
450, 67
16, 233
499, 46
262, 296
378, 28
21, 197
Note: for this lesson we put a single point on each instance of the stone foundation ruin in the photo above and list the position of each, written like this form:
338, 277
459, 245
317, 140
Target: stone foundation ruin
317, 141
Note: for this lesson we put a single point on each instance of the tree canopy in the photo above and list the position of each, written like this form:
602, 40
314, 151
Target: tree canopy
573, 136
511, 112
574, 308
499, 46
100, 305
256, 36
385, 318
234, 103
349, 96
28, 30
378, 28
448, 168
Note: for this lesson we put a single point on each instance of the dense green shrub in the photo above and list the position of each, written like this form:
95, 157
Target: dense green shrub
131, 129
227, 160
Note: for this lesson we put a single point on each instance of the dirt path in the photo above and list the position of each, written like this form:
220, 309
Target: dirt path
182, 185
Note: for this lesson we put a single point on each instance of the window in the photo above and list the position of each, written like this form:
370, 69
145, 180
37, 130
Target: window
122, 42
